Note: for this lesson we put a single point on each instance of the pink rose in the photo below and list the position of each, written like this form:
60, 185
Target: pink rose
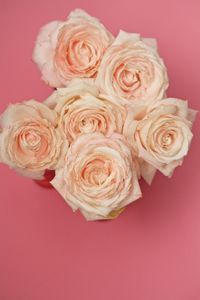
161, 135
29, 140
82, 109
132, 69
70, 49
98, 177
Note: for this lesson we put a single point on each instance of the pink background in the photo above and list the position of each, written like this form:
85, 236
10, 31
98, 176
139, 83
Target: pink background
152, 251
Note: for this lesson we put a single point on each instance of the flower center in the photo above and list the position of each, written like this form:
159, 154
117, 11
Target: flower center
96, 172
79, 53
31, 139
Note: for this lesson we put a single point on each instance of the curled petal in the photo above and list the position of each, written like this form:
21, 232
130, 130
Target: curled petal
30, 141
70, 49
132, 70
99, 176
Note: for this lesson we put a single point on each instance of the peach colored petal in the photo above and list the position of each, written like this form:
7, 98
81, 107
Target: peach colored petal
132, 70
82, 109
30, 141
160, 135
99, 176
44, 51
70, 49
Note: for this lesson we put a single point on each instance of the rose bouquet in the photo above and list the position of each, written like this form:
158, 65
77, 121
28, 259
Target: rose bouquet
107, 124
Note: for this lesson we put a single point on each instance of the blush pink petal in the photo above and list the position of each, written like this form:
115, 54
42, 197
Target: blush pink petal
99, 193
132, 70
72, 48
44, 52
83, 109
160, 135
30, 141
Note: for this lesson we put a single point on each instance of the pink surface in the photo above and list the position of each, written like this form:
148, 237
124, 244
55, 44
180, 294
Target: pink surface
152, 251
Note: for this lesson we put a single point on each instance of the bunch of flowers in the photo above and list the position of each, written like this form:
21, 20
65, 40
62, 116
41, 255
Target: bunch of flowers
108, 122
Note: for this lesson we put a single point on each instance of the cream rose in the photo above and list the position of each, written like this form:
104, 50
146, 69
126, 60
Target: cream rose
162, 134
98, 177
82, 109
132, 69
29, 140
72, 48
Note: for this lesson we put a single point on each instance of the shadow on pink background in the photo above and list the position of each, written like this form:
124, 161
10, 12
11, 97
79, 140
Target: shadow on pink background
152, 251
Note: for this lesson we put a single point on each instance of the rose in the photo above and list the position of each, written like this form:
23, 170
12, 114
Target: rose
29, 140
132, 69
82, 109
161, 135
72, 48
99, 176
